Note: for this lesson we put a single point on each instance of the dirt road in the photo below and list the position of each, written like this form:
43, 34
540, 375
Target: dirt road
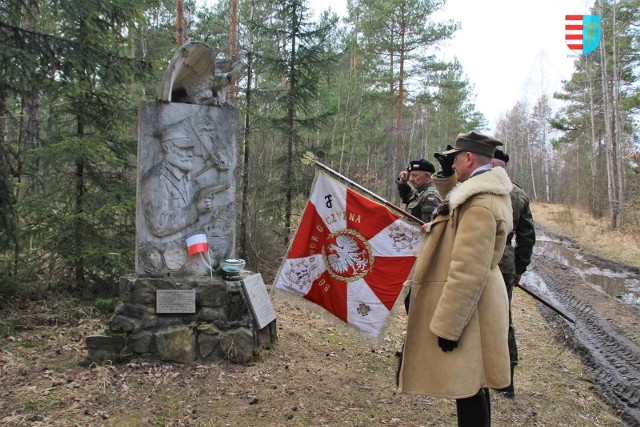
607, 321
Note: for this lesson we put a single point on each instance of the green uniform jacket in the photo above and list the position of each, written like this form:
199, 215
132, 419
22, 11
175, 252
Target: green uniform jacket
420, 202
517, 256
458, 293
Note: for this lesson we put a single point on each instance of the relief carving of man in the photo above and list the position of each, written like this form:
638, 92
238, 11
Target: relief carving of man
168, 197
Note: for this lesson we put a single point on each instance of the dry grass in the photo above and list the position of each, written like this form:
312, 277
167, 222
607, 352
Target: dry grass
553, 386
319, 374
594, 235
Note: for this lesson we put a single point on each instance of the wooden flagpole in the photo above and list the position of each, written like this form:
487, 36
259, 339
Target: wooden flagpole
545, 302
309, 158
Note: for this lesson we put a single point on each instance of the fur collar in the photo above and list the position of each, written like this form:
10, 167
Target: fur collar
494, 181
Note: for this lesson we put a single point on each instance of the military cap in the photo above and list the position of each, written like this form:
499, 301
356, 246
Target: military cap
178, 134
476, 143
501, 155
421, 165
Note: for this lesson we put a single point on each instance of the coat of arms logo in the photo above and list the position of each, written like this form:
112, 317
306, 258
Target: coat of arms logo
347, 255
404, 238
582, 33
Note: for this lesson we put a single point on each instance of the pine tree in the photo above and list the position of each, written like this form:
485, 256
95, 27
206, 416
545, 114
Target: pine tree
76, 202
295, 62
400, 32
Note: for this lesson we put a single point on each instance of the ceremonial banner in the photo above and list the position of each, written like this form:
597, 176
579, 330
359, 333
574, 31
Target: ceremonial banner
350, 256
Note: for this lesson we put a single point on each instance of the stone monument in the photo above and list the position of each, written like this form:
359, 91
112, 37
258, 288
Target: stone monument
182, 305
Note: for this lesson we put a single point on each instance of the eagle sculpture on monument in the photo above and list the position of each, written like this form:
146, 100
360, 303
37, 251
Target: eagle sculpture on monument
196, 75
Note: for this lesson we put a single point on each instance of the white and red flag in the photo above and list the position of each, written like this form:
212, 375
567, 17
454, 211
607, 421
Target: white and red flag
350, 256
197, 243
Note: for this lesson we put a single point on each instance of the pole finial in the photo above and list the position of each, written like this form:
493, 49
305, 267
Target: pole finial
308, 158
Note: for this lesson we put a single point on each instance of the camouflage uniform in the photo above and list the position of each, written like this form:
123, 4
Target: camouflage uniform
517, 257
420, 202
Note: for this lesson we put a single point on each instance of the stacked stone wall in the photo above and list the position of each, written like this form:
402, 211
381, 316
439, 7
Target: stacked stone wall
222, 328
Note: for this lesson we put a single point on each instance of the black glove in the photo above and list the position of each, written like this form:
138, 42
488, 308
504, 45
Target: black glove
447, 345
446, 162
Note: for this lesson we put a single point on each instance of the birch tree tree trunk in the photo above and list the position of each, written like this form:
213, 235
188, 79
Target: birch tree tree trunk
609, 136
534, 193
617, 121
592, 124
541, 115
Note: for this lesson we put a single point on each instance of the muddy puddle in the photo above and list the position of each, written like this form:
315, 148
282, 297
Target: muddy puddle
603, 332
621, 284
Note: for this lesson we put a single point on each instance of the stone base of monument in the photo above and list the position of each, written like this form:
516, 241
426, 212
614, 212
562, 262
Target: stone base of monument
188, 319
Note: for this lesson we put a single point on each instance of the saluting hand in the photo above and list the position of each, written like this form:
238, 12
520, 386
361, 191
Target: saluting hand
446, 162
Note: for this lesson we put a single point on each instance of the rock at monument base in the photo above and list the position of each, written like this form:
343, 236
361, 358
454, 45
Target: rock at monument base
176, 344
238, 345
210, 314
143, 343
209, 342
107, 349
124, 325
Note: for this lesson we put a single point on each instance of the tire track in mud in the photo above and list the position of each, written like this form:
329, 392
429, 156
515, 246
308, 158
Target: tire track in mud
605, 335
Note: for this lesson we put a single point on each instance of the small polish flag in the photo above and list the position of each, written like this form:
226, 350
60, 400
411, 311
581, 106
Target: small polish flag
197, 244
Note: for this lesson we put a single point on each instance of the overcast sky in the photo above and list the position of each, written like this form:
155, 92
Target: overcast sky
510, 49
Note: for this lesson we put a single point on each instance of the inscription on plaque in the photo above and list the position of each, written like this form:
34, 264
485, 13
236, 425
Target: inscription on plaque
175, 301
259, 300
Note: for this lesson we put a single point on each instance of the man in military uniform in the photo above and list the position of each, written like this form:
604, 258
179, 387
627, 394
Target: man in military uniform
169, 200
419, 193
517, 255
417, 190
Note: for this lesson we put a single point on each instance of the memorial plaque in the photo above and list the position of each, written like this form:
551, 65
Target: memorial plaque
175, 301
259, 300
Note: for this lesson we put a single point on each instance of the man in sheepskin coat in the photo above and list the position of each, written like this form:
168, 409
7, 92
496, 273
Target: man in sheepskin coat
456, 342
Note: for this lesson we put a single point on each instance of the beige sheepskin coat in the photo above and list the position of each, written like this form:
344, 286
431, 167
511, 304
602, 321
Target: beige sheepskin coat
458, 293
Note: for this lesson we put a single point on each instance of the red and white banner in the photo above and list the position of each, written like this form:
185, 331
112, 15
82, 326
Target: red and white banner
350, 256
197, 243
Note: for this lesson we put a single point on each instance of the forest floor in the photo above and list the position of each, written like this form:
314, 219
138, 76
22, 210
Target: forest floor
319, 373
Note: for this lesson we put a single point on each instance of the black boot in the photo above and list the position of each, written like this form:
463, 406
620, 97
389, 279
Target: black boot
487, 401
509, 391
474, 411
